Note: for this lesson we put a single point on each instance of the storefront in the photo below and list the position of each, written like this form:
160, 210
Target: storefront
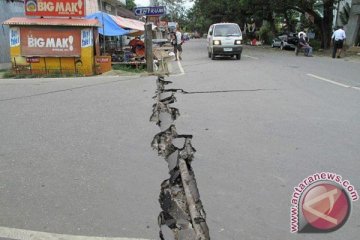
119, 38
55, 39
53, 45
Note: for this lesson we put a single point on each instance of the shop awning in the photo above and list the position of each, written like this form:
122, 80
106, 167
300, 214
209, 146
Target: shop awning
128, 23
125, 23
108, 26
76, 22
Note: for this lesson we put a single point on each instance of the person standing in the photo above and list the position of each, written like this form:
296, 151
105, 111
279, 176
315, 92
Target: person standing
177, 42
338, 38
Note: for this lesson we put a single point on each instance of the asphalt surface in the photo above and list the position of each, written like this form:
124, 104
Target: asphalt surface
75, 155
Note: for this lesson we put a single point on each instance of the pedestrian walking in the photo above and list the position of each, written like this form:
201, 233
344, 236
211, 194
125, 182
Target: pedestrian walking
177, 43
338, 38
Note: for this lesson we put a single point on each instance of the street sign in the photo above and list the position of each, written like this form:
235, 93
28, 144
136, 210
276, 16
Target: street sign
149, 11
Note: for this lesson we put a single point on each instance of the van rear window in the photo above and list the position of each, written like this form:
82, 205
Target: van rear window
226, 30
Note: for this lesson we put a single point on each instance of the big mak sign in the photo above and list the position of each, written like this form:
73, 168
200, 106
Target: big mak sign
50, 42
60, 8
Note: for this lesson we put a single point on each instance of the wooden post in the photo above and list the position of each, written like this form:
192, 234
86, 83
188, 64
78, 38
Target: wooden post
148, 48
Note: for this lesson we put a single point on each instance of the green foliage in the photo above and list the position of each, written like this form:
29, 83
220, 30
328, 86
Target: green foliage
129, 68
130, 4
204, 13
266, 34
54, 74
315, 14
8, 74
175, 9
315, 44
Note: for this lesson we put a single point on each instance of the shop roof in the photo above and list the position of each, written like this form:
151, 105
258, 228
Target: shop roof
108, 26
128, 23
124, 23
75, 22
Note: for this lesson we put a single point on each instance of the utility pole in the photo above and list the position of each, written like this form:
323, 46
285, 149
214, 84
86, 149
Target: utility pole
148, 48
103, 26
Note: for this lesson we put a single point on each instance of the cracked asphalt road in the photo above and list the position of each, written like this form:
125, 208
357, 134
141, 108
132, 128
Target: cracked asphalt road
75, 154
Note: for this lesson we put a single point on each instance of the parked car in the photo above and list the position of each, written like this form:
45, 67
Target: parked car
224, 39
286, 41
196, 35
186, 36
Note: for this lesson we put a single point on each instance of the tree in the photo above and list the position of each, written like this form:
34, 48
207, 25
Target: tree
175, 10
204, 13
130, 4
321, 14
197, 20
345, 14
317, 12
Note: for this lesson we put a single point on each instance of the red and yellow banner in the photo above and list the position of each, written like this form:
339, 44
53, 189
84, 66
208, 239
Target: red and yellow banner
59, 8
47, 42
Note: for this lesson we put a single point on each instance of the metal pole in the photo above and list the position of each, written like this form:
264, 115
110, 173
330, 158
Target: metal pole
103, 25
148, 48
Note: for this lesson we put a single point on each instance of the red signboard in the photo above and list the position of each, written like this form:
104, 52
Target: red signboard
47, 42
59, 8
102, 59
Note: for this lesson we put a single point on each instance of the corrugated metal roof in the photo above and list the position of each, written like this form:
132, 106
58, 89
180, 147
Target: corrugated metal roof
53, 22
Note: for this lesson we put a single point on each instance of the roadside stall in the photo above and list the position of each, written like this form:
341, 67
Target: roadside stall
54, 39
52, 45
112, 33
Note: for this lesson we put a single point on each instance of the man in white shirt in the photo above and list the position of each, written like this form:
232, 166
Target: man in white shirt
178, 49
338, 38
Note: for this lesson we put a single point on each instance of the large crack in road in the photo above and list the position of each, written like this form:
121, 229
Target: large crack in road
183, 216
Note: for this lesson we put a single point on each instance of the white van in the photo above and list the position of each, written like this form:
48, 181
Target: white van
224, 39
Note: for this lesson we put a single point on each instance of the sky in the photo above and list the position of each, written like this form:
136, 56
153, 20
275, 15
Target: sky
145, 3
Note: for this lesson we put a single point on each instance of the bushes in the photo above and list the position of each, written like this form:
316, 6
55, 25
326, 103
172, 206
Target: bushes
315, 44
265, 34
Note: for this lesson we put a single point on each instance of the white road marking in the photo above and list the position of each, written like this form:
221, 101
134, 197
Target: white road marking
352, 61
180, 67
20, 234
250, 57
333, 82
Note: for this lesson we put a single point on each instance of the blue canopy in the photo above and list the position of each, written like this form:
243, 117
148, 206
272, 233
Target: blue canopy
110, 28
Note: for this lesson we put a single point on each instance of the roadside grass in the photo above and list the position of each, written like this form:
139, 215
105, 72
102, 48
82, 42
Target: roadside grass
129, 68
12, 75
116, 69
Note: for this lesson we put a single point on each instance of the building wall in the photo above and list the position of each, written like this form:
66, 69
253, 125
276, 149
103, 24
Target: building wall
8, 10
108, 6
91, 6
